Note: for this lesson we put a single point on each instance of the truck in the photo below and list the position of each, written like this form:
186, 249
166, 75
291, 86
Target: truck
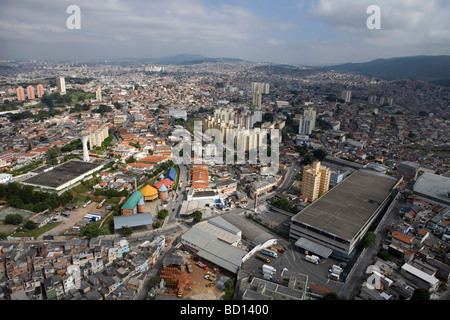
279, 249
268, 269
260, 257
269, 252
336, 269
87, 203
334, 276
313, 259
202, 265
101, 204
268, 276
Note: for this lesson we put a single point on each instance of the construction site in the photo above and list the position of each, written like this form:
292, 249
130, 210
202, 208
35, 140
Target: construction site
188, 277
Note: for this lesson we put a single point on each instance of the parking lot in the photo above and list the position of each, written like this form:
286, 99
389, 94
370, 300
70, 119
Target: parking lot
294, 260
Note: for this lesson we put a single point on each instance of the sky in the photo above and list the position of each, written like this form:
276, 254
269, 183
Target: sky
311, 32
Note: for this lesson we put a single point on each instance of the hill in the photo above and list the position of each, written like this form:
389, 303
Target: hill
186, 58
435, 69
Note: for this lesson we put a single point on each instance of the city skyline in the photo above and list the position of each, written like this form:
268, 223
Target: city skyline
320, 32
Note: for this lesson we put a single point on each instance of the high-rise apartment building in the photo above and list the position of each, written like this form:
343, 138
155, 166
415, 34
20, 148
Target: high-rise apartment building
98, 94
40, 90
315, 181
346, 95
258, 89
97, 136
306, 125
30, 92
20, 94
61, 85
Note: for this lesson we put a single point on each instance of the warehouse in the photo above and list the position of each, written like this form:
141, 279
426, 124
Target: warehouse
135, 222
63, 176
215, 240
340, 219
434, 188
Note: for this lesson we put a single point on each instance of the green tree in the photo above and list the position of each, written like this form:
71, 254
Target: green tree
163, 213
229, 290
14, 219
421, 294
126, 231
319, 154
331, 296
29, 225
157, 224
369, 239
309, 159
198, 215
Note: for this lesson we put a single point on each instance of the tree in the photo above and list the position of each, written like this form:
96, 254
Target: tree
369, 239
320, 154
157, 224
163, 213
309, 159
126, 231
197, 216
29, 225
421, 294
331, 296
14, 219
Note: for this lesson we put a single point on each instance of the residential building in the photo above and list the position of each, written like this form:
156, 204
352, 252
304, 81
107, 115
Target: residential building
30, 92
61, 85
20, 94
315, 181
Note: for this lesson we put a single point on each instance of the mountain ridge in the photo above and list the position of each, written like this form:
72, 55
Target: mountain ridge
435, 69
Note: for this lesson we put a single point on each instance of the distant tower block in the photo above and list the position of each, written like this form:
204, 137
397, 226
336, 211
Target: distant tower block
84, 141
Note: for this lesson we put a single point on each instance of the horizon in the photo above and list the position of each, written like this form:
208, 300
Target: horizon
131, 59
295, 32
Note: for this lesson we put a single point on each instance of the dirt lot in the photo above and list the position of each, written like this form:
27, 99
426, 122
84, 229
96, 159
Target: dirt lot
75, 216
198, 283
9, 228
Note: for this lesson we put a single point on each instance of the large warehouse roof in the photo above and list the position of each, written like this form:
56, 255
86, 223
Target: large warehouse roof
134, 220
212, 238
62, 174
345, 209
433, 187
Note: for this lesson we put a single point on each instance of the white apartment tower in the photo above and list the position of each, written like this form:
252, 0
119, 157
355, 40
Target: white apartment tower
98, 94
61, 85
346, 95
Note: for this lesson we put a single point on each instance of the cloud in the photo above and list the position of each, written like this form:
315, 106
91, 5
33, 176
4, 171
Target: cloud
403, 22
276, 42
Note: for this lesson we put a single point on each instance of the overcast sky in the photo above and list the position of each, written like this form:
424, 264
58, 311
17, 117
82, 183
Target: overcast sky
313, 32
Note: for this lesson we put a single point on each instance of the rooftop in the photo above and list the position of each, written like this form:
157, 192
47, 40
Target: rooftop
345, 209
434, 187
62, 174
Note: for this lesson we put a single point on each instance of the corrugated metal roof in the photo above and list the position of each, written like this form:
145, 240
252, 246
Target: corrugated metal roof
171, 174
132, 200
313, 247
134, 220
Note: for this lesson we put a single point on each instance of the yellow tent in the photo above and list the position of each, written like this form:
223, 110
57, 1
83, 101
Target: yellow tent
149, 193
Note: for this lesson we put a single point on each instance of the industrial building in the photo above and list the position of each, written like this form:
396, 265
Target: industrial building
63, 176
339, 220
434, 188
215, 240
136, 221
